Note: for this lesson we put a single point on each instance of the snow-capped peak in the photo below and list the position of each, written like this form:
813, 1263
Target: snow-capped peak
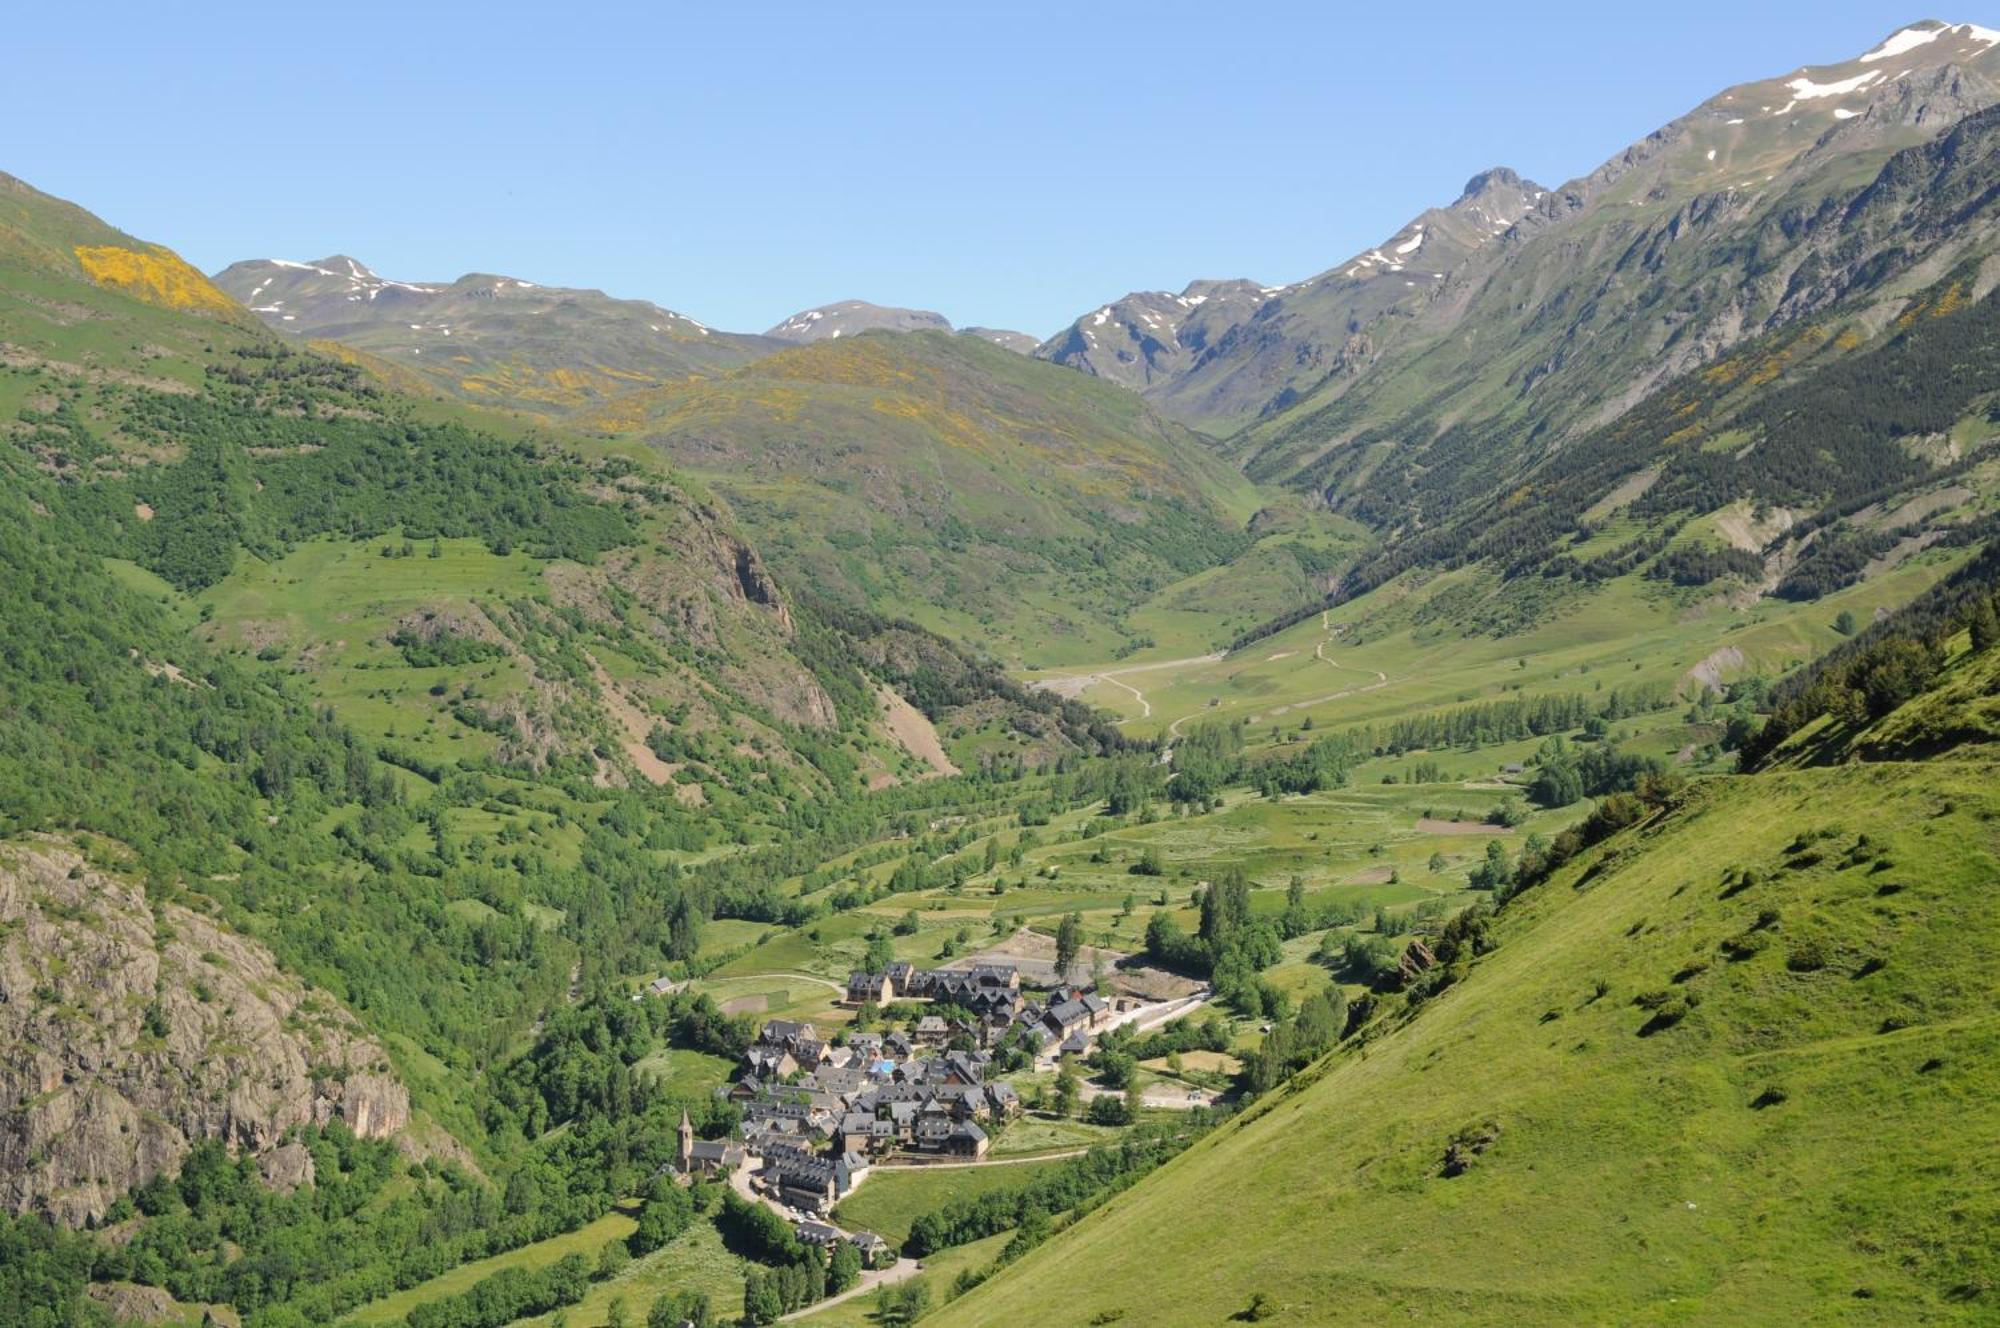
1909, 39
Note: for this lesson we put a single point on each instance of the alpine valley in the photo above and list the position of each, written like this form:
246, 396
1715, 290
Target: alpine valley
1465, 788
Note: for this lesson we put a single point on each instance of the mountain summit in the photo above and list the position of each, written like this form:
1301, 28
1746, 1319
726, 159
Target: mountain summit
1221, 351
1746, 149
491, 338
847, 318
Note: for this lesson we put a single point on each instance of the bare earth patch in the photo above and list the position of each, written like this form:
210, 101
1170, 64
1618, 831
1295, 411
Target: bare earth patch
637, 726
144, 511
1035, 955
1711, 671
1741, 528
160, 668
1921, 506
914, 732
1432, 826
1629, 491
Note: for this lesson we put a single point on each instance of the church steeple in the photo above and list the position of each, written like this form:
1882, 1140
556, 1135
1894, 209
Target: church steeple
687, 1144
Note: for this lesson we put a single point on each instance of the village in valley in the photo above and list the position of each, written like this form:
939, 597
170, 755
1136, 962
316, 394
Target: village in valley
1007, 1012
920, 1077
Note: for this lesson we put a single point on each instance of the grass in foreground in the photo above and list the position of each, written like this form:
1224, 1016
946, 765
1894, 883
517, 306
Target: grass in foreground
1788, 1140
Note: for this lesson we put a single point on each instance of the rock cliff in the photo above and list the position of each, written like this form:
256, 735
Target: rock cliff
131, 1027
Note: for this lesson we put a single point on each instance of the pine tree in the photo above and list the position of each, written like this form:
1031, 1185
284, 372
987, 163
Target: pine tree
1985, 625
1069, 943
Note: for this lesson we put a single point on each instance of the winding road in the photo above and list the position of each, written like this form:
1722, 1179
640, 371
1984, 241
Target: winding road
1319, 653
1073, 685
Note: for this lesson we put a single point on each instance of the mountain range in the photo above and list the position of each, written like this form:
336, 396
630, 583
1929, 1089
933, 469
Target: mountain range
1509, 721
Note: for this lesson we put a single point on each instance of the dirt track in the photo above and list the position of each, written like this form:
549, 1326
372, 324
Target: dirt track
1073, 685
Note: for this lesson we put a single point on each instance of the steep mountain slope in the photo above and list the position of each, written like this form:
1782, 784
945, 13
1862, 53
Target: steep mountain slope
1152, 338
58, 258
1221, 353
1019, 342
847, 318
976, 490
1730, 1062
1558, 308
497, 340
1742, 216
1796, 464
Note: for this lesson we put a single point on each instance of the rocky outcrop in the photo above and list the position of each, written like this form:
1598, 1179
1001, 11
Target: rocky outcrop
128, 1302
131, 1028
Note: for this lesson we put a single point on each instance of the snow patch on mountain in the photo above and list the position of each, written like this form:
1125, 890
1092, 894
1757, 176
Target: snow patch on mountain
1909, 39
1804, 89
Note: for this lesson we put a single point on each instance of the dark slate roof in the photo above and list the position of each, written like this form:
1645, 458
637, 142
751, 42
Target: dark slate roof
1069, 1012
794, 1166
715, 1150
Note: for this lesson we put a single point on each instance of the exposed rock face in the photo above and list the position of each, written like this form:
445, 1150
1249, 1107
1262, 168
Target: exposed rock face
287, 1167
129, 1030
127, 1302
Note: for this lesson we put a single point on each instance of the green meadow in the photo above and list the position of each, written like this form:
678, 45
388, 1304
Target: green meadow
1746, 1156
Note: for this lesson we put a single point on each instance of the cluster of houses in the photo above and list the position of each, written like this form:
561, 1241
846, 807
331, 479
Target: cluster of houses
819, 1112
873, 1094
992, 1005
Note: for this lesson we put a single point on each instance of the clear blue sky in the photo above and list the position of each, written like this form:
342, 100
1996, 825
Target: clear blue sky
1006, 164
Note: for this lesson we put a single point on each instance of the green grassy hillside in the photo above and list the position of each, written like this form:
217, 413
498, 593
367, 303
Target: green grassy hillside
478, 724
980, 492
479, 694
1720, 1098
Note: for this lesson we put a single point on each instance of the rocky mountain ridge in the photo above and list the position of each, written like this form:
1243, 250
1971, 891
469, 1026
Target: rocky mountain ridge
1361, 323
489, 338
1733, 222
